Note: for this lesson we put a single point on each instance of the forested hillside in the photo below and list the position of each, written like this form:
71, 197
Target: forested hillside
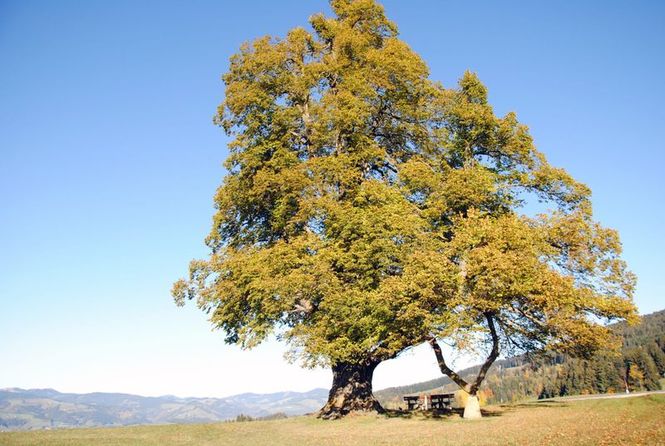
639, 366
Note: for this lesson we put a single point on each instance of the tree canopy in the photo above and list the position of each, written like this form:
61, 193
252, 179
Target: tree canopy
368, 209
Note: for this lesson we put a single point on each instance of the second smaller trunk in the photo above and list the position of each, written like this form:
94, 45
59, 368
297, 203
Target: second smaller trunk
472, 408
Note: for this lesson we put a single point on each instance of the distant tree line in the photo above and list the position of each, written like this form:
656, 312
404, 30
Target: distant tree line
640, 366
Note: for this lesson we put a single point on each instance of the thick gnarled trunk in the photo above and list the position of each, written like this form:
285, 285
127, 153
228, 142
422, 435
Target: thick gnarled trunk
351, 391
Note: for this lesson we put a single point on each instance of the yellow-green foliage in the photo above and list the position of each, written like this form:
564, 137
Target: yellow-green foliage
367, 207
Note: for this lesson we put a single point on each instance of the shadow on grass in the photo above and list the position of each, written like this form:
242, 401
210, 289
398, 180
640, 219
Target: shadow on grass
531, 405
491, 413
448, 414
456, 413
541, 403
422, 414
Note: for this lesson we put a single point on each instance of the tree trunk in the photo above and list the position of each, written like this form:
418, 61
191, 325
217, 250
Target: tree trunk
472, 408
351, 391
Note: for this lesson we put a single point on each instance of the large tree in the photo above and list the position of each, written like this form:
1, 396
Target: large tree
353, 182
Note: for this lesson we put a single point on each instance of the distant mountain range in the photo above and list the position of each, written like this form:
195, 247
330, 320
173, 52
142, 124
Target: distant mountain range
46, 408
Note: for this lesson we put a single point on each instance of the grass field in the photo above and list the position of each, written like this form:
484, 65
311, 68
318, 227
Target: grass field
630, 421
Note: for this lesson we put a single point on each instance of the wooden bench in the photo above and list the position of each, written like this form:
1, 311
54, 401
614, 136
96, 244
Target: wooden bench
437, 401
412, 402
442, 400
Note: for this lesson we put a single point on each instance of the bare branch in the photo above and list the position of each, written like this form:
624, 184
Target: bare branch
491, 358
494, 354
444, 367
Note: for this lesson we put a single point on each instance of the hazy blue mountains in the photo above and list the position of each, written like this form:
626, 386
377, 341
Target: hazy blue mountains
46, 408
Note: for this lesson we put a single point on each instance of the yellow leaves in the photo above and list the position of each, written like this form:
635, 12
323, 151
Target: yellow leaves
365, 16
578, 336
556, 184
446, 191
511, 267
515, 142
179, 291
395, 64
469, 187
589, 252
417, 175
472, 88
614, 307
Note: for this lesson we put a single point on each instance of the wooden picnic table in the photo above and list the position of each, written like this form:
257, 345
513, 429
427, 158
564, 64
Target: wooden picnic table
438, 401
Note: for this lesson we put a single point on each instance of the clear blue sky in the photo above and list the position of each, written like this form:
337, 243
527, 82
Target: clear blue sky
109, 160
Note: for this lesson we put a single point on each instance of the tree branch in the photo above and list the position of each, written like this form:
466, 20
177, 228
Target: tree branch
469, 388
491, 358
444, 367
